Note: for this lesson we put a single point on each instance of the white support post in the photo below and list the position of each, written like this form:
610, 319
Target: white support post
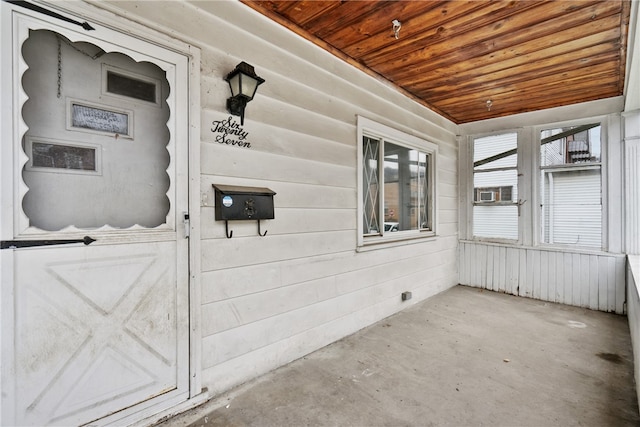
632, 181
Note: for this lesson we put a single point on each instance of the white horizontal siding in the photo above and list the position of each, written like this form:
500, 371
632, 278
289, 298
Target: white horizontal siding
489, 146
299, 307
268, 300
573, 213
495, 221
591, 280
552, 153
497, 179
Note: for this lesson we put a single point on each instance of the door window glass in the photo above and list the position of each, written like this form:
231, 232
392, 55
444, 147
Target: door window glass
128, 182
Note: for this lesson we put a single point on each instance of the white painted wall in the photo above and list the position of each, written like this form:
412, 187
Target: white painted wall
632, 181
269, 300
631, 135
633, 313
632, 89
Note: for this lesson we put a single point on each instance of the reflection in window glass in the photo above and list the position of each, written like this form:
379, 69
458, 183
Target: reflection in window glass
495, 210
405, 188
572, 145
570, 186
396, 189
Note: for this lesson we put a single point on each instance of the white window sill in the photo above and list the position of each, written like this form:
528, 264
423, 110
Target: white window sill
375, 243
543, 247
634, 267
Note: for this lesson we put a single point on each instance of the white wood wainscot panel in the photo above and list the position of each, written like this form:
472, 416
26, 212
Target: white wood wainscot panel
584, 279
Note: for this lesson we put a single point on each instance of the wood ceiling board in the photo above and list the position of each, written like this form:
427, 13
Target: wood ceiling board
573, 86
603, 31
302, 12
376, 31
524, 52
551, 87
413, 29
625, 16
520, 75
559, 89
491, 77
480, 42
478, 110
438, 38
340, 18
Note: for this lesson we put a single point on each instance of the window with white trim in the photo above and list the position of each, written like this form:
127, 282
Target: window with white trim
396, 184
571, 185
495, 182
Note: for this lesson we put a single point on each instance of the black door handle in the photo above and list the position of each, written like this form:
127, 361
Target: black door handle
15, 244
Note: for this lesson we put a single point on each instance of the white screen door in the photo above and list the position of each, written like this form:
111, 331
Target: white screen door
99, 331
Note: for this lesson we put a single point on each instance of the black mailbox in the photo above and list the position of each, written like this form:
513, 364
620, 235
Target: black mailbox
241, 203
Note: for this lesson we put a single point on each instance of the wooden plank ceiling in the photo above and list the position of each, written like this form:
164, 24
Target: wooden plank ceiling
473, 60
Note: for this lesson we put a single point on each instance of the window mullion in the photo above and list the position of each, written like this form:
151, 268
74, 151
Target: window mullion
420, 192
381, 184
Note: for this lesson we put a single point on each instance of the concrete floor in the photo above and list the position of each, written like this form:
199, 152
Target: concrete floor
465, 357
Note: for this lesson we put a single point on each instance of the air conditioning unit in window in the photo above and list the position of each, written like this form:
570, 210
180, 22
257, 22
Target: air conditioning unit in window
487, 196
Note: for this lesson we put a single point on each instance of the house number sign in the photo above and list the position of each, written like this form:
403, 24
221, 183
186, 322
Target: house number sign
229, 132
99, 119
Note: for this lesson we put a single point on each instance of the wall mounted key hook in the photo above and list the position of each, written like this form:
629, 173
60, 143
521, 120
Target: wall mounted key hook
229, 234
259, 233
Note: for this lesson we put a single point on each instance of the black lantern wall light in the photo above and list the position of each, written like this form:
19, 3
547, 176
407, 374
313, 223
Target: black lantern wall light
243, 82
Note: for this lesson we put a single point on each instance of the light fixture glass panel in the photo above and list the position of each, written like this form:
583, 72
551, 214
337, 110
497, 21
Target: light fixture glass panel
249, 86
234, 84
